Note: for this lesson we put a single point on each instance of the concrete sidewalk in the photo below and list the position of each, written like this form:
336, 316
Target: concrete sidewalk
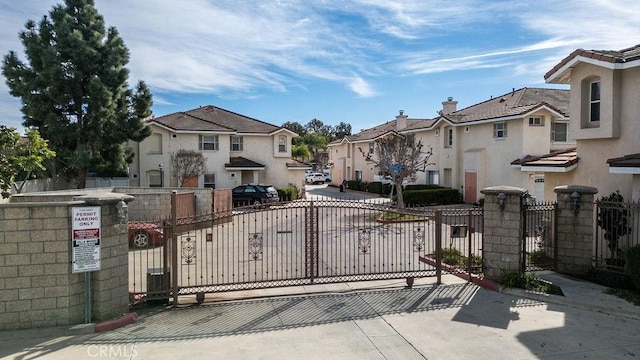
372, 320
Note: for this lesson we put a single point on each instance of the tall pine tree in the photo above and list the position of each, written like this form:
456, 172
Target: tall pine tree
74, 89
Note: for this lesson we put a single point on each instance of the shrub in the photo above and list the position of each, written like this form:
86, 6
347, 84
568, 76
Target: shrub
451, 256
288, 194
422, 187
353, 184
375, 187
441, 196
633, 265
539, 257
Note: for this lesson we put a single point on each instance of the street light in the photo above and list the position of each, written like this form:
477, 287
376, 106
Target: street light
161, 165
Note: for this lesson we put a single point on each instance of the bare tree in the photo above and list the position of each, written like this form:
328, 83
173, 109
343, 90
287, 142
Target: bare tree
400, 156
187, 164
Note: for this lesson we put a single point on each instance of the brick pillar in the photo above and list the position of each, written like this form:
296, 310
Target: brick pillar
110, 285
575, 228
503, 228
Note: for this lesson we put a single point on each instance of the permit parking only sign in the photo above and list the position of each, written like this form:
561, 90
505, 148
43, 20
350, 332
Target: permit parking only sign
85, 243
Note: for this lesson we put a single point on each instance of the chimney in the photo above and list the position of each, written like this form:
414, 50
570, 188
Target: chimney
449, 106
401, 121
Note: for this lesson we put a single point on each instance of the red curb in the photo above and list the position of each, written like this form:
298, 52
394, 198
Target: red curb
485, 283
115, 323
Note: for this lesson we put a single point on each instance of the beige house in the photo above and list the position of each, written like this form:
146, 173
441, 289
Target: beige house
605, 88
514, 139
238, 149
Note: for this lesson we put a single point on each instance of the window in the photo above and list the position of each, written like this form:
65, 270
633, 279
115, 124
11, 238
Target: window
594, 102
236, 143
358, 175
433, 177
208, 142
371, 147
282, 144
449, 137
559, 132
500, 130
210, 181
467, 130
536, 121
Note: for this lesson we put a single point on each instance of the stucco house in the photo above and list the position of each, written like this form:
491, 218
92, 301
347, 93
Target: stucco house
238, 149
605, 113
513, 139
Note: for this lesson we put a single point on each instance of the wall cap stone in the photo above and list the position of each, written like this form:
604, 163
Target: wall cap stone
508, 190
103, 198
569, 189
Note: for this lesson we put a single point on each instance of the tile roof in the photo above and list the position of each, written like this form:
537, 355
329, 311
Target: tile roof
296, 164
212, 118
562, 158
517, 102
241, 162
610, 56
631, 160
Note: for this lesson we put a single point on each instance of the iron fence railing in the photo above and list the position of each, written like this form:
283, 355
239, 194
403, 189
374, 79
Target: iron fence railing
539, 245
617, 229
306, 242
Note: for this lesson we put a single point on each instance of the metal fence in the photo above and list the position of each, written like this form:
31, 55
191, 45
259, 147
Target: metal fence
306, 242
539, 245
617, 229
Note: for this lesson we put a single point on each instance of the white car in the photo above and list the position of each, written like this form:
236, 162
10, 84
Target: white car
314, 178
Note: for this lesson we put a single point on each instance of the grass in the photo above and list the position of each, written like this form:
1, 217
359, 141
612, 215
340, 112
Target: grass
632, 296
393, 216
529, 281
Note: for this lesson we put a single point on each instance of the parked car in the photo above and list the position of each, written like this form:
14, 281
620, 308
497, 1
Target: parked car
254, 195
144, 235
327, 177
314, 178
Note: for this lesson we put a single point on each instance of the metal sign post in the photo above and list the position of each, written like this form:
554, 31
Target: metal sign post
85, 245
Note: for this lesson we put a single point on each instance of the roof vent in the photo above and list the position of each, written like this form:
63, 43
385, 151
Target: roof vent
450, 98
401, 112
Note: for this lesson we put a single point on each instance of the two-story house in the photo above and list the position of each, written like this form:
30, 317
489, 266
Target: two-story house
605, 113
238, 149
502, 141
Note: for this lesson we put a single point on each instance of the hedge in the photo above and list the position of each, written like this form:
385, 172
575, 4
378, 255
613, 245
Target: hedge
441, 196
288, 194
422, 187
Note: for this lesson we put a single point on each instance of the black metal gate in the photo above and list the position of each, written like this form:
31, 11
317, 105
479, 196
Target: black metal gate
539, 245
314, 242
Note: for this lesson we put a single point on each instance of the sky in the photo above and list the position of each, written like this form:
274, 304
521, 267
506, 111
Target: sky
358, 61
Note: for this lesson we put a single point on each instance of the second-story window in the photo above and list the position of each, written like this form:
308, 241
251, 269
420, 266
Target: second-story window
236, 143
208, 142
282, 144
371, 147
559, 132
536, 121
500, 130
448, 140
594, 102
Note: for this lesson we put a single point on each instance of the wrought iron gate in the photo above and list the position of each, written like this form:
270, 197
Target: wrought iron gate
315, 242
539, 245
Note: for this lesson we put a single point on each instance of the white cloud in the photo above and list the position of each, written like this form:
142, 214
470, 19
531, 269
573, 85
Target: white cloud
361, 87
233, 48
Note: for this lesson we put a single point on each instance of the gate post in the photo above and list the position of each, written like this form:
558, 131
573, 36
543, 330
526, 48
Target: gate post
503, 229
574, 235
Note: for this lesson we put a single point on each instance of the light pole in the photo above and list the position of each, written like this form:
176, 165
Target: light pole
161, 165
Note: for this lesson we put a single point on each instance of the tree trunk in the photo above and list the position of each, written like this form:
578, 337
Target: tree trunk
82, 178
400, 195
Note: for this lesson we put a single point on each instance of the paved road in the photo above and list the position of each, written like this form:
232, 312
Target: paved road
326, 192
455, 320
